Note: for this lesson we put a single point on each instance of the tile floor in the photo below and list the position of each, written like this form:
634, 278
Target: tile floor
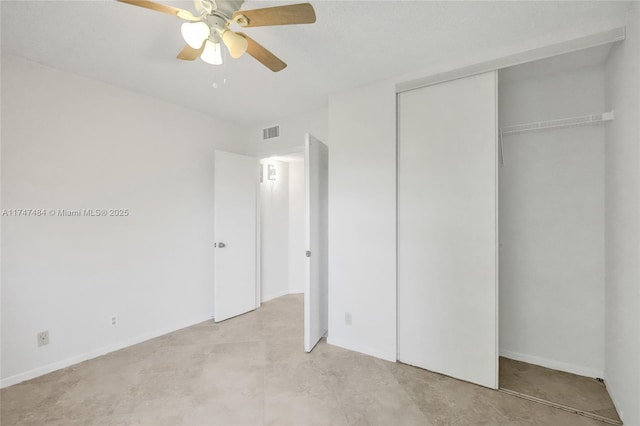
582, 393
252, 370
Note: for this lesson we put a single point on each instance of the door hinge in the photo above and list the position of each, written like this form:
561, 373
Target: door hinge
308, 253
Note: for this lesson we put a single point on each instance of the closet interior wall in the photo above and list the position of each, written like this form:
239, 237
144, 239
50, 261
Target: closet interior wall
551, 216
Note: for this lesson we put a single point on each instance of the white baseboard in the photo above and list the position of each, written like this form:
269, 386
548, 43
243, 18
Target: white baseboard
553, 364
274, 296
45, 369
387, 356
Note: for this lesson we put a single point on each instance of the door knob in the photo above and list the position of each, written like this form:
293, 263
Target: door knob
221, 245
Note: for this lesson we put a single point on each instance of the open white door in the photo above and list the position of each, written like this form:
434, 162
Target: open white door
235, 228
447, 233
316, 318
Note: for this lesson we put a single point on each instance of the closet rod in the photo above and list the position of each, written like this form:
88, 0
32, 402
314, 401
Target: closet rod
557, 124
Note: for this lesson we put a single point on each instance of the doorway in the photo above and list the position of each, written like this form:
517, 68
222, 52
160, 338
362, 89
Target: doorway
282, 233
293, 219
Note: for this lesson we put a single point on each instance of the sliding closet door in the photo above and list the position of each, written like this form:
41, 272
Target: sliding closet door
447, 233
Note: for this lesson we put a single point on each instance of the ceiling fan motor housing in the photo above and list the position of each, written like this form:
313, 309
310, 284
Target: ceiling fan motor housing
216, 22
225, 8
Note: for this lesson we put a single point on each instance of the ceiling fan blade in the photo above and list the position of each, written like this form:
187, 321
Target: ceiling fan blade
280, 15
263, 56
188, 53
170, 10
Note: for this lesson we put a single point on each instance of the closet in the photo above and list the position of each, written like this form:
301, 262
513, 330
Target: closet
501, 229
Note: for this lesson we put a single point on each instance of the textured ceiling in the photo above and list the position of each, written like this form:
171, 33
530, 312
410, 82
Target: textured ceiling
353, 43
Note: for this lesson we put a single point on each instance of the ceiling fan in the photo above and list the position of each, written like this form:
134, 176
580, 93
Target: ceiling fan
205, 31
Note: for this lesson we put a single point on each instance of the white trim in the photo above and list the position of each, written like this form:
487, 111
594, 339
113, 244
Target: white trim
553, 364
496, 248
45, 369
275, 295
568, 46
397, 229
387, 356
259, 233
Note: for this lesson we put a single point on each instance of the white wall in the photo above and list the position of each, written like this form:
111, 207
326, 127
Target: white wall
552, 224
73, 143
622, 224
297, 236
362, 219
274, 230
292, 130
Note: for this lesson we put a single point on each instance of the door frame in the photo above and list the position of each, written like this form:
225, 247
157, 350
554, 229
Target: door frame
262, 155
258, 237
299, 149
259, 156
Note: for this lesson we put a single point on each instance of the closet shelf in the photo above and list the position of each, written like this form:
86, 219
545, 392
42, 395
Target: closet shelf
556, 124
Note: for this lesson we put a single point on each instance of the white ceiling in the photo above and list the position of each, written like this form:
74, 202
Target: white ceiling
351, 44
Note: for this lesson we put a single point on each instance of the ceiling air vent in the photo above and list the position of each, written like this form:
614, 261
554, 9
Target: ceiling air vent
270, 133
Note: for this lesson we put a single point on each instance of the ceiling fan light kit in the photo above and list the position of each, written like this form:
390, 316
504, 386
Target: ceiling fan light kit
212, 53
236, 43
195, 33
203, 33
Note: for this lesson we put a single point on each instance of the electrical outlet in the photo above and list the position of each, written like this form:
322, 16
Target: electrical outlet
43, 338
114, 320
347, 318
